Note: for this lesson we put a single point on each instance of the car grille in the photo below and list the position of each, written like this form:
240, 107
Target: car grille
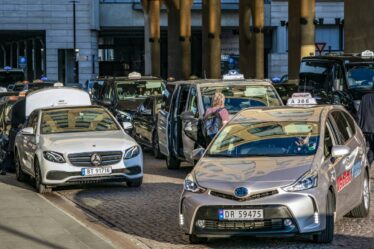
273, 224
84, 159
251, 197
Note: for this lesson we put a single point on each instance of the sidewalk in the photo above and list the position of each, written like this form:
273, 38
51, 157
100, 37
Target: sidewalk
28, 221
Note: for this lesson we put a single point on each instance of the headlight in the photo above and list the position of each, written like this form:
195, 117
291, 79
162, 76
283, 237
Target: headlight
307, 181
54, 157
123, 116
131, 152
191, 185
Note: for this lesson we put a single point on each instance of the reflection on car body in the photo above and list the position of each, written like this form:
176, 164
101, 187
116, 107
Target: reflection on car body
179, 122
278, 171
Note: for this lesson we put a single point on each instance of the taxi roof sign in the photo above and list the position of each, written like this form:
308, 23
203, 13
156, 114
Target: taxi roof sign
134, 75
233, 75
300, 99
367, 54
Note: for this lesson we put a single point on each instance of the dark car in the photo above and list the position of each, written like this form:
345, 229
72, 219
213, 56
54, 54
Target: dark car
122, 95
338, 79
179, 123
29, 87
8, 77
145, 123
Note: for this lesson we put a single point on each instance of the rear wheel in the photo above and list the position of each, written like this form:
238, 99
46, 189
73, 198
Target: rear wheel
20, 175
362, 210
327, 235
197, 240
172, 162
39, 186
135, 183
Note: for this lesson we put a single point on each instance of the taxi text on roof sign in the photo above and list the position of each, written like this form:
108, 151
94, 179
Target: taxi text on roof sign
233, 75
301, 99
367, 54
135, 75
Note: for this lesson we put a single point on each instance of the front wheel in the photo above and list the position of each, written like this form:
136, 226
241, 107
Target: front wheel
362, 210
327, 235
39, 186
20, 175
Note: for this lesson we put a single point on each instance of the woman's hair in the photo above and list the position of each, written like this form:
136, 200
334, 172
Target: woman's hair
218, 100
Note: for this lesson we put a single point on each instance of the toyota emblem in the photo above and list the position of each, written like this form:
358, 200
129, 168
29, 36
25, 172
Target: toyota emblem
95, 159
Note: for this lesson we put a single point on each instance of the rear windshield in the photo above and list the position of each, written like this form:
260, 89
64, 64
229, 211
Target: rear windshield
139, 89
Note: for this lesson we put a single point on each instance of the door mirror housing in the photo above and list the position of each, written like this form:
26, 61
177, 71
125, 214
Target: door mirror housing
340, 151
197, 153
191, 131
127, 126
187, 115
27, 131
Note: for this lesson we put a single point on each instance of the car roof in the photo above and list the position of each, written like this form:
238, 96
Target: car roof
342, 58
50, 108
11, 70
284, 113
208, 82
125, 78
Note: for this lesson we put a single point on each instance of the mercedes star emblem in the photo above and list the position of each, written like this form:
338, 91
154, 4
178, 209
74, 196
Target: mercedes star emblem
95, 159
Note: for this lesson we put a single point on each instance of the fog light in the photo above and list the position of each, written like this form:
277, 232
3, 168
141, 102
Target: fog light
181, 220
200, 223
316, 218
287, 222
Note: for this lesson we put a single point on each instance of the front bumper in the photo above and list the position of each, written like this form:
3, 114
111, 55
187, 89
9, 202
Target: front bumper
56, 174
301, 209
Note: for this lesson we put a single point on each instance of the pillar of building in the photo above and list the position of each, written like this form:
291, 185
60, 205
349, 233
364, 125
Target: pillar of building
30, 60
4, 55
358, 21
174, 50
301, 33
259, 41
245, 39
38, 60
212, 38
152, 16
185, 37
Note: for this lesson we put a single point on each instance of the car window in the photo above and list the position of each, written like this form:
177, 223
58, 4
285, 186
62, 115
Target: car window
148, 106
344, 130
329, 140
338, 82
108, 92
33, 120
182, 100
351, 123
192, 101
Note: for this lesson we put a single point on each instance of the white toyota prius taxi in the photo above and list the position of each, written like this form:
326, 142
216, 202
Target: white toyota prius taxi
66, 140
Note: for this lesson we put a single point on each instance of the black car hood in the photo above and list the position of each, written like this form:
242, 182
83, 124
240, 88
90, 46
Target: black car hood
129, 105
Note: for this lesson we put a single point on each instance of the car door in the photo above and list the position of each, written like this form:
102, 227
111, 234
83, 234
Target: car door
347, 192
163, 120
189, 121
147, 120
27, 152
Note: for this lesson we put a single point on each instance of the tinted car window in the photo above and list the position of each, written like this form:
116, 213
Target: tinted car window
344, 130
328, 143
192, 101
351, 123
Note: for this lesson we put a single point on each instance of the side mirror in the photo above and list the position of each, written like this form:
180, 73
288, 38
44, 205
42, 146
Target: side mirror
197, 153
27, 131
187, 115
191, 131
127, 126
340, 151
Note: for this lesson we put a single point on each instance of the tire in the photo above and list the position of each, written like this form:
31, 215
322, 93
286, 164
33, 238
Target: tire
172, 162
197, 240
362, 210
135, 183
39, 186
20, 175
327, 235
155, 146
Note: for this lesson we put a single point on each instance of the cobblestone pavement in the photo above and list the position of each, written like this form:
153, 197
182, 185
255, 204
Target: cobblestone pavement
150, 214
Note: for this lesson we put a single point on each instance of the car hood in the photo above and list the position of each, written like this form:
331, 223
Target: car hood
129, 105
86, 142
257, 173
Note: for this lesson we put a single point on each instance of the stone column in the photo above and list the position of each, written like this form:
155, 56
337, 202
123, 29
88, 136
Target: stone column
308, 13
3, 49
258, 29
212, 38
294, 39
152, 9
185, 37
245, 39
174, 50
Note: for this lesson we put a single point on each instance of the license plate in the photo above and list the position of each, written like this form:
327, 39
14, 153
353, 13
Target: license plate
96, 171
240, 214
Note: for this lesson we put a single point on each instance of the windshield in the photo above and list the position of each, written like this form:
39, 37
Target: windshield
360, 76
281, 139
139, 89
240, 97
315, 75
9, 77
76, 120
